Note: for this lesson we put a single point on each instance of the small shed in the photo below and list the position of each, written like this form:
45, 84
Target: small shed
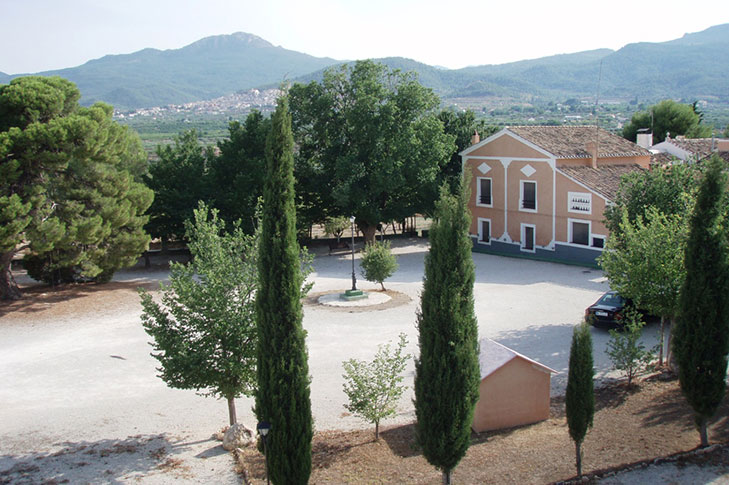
514, 389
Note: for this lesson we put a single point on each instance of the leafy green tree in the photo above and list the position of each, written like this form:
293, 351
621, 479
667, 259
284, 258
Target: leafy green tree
625, 349
646, 264
370, 144
666, 117
580, 394
335, 226
378, 263
447, 374
282, 398
374, 388
670, 190
204, 326
236, 175
70, 190
701, 340
462, 125
179, 179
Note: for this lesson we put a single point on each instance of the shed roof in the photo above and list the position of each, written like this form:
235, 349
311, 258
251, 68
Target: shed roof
605, 179
572, 141
492, 356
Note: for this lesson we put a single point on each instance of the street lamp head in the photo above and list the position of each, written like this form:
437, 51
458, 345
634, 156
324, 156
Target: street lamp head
263, 428
351, 219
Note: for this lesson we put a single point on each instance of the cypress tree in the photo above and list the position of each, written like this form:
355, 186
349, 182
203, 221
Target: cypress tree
282, 398
701, 339
447, 373
580, 396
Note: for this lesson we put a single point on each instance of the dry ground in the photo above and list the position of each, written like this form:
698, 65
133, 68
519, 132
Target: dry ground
630, 426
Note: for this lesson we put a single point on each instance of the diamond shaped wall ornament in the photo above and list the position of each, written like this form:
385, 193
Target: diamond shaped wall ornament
528, 170
484, 168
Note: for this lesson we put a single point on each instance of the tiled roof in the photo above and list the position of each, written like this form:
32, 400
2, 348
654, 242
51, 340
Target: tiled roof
604, 180
492, 356
700, 148
571, 141
662, 158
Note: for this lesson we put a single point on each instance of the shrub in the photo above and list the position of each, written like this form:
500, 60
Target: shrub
373, 388
624, 348
378, 262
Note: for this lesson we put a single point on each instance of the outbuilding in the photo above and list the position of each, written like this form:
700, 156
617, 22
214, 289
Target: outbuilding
514, 389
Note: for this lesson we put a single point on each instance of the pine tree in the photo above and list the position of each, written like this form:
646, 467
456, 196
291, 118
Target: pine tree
447, 372
282, 398
701, 340
580, 396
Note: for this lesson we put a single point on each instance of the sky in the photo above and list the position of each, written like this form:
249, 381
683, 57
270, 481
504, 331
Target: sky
39, 35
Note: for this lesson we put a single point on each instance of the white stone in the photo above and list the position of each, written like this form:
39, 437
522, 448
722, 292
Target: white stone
238, 436
373, 298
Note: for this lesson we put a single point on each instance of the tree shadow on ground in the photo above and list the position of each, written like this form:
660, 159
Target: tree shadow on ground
671, 407
108, 460
40, 297
402, 440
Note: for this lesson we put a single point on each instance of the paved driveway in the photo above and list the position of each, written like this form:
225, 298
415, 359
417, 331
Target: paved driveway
79, 371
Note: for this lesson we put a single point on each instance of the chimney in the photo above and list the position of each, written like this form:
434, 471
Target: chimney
645, 138
475, 138
591, 148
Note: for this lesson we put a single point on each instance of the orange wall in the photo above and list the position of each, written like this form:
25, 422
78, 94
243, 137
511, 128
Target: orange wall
516, 394
507, 147
564, 186
495, 213
543, 218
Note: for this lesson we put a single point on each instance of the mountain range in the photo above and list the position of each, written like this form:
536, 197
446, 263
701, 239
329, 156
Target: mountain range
695, 66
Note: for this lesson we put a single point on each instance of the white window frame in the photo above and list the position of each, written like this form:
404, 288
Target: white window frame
571, 221
480, 229
582, 195
478, 191
597, 236
523, 238
521, 196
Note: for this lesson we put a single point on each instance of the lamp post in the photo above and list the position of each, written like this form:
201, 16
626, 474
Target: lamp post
354, 278
263, 428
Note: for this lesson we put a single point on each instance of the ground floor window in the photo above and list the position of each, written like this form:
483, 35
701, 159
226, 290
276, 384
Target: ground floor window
528, 233
579, 232
484, 231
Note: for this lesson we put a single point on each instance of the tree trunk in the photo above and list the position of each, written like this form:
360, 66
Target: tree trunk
8, 287
660, 350
703, 433
231, 411
670, 360
446, 477
377, 430
578, 458
369, 232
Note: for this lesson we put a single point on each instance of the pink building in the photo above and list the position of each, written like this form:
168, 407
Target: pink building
540, 191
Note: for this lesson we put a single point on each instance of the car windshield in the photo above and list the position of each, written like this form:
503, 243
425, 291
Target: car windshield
611, 299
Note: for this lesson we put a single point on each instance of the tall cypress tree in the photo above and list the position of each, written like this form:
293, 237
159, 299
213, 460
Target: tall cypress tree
701, 339
447, 372
580, 396
282, 398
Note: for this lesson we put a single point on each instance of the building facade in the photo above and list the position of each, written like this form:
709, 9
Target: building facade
540, 191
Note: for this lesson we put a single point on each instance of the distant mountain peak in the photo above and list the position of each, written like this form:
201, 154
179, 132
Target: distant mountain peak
715, 34
235, 38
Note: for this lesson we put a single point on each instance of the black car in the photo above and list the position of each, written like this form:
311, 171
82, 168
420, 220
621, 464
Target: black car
608, 311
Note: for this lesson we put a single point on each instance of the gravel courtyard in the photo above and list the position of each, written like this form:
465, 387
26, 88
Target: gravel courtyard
76, 372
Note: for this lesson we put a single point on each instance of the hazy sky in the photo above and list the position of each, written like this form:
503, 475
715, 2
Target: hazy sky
38, 35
